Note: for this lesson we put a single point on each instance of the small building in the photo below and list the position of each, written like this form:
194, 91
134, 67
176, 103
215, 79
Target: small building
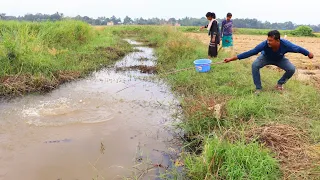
177, 24
110, 23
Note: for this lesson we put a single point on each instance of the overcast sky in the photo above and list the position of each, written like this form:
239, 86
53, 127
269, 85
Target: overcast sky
300, 12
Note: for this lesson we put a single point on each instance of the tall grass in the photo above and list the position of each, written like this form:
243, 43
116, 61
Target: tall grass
229, 85
38, 56
223, 160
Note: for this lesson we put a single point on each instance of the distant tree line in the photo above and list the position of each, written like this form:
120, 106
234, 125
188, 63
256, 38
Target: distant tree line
187, 21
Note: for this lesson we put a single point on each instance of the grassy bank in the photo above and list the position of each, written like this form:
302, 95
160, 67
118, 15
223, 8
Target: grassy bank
37, 57
229, 132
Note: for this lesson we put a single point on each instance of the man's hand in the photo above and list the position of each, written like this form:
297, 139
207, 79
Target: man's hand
310, 55
202, 27
230, 59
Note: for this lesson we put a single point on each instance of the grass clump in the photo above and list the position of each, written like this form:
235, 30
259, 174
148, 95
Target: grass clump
37, 57
224, 160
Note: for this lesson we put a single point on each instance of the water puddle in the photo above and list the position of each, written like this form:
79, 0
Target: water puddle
105, 126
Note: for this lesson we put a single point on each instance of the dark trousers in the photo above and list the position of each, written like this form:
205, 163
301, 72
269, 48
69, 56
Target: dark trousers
213, 47
262, 61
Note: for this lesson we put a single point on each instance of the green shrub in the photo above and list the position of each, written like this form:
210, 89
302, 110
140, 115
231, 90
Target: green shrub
303, 31
223, 160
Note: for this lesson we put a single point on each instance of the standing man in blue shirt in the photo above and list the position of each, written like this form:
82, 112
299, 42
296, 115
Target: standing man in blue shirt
272, 53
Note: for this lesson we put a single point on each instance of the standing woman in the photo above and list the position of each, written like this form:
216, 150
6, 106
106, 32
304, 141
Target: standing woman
214, 34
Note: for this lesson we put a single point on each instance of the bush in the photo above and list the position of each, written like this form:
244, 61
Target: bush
303, 31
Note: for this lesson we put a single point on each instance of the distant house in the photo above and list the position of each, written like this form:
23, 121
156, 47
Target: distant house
110, 23
177, 24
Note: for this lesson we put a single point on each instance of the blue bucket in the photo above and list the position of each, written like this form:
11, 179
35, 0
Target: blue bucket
202, 65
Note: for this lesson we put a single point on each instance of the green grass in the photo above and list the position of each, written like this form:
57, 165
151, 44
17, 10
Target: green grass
193, 29
37, 56
231, 85
223, 160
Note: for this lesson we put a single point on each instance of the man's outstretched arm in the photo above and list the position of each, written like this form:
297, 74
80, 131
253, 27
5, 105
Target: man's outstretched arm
247, 54
298, 49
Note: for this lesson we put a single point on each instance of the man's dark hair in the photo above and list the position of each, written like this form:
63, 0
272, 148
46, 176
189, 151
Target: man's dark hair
211, 14
229, 15
275, 34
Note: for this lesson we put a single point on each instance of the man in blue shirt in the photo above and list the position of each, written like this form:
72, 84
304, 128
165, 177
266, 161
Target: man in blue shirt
272, 53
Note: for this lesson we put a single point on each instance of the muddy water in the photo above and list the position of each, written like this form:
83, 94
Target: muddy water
89, 128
